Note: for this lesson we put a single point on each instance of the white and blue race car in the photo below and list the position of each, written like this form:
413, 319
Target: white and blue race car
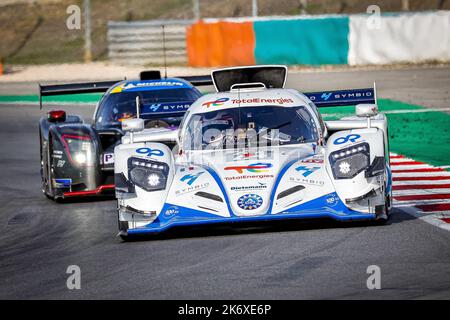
255, 151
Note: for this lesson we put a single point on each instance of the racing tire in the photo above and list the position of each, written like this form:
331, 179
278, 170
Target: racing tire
124, 238
385, 212
123, 227
46, 178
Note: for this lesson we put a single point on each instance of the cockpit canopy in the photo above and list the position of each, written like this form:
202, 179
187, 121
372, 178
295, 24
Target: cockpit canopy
166, 105
250, 126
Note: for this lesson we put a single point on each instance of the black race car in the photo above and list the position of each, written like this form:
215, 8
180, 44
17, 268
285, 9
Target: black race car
77, 159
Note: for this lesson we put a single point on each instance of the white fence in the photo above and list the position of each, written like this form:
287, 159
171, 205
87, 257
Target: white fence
404, 38
142, 42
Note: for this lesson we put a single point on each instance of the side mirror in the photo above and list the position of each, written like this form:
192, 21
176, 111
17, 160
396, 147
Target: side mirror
132, 125
366, 110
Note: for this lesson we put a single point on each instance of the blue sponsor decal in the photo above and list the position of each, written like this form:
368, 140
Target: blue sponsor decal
250, 201
190, 178
150, 152
172, 211
332, 199
170, 107
154, 107
307, 170
325, 96
351, 137
342, 97
149, 85
62, 183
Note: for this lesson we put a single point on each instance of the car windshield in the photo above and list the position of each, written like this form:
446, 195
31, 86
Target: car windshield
154, 106
258, 126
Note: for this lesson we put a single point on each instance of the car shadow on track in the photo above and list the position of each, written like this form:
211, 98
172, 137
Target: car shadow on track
397, 216
85, 199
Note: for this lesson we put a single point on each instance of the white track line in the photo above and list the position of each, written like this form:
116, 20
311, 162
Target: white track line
419, 202
436, 220
395, 160
418, 182
420, 191
423, 174
430, 217
409, 167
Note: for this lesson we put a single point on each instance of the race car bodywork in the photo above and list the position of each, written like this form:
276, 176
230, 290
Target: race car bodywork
256, 151
77, 159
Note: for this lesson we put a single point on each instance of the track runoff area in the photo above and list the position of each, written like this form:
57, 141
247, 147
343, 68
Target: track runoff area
421, 190
419, 144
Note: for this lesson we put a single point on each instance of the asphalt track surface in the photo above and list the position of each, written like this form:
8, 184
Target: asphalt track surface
39, 239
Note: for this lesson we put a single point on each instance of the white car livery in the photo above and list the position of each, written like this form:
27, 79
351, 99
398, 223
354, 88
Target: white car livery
255, 151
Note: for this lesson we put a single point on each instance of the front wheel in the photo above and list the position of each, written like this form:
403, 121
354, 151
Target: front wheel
46, 171
125, 238
383, 212
123, 228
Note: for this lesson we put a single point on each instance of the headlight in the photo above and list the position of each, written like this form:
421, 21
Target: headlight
80, 149
348, 162
147, 174
80, 158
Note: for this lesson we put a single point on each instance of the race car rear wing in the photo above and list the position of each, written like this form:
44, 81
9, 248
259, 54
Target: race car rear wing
198, 80
348, 97
74, 88
103, 86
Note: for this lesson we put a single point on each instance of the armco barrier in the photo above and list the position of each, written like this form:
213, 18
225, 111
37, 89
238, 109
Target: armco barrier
141, 42
318, 40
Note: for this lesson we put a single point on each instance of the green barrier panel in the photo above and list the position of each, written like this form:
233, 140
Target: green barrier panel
303, 41
89, 98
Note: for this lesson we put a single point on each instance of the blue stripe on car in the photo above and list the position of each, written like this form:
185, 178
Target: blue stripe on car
317, 208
